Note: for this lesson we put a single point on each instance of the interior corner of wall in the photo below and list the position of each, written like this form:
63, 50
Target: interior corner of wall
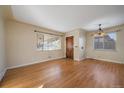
2, 73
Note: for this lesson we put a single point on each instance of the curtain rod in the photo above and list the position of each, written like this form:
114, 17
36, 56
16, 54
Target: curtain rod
47, 33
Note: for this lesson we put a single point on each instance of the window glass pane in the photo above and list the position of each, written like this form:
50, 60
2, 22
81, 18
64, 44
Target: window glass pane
98, 42
40, 39
112, 35
49, 42
109, 41
106, 42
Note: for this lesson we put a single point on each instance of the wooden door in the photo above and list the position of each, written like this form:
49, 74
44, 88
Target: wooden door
69, 47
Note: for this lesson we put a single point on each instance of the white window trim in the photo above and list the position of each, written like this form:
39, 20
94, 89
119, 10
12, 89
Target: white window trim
114, 50
42, 49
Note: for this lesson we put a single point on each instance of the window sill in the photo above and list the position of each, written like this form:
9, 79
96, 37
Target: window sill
48, 50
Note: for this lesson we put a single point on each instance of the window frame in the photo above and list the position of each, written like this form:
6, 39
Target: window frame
42, 49
103, 44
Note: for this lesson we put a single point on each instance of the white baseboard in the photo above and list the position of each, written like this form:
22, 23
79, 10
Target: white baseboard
114, 61
22, 65
80, 59
2, 73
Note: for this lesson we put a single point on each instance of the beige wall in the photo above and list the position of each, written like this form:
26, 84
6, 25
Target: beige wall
21, 45
82, 44
2, 45
79, 42
113, 56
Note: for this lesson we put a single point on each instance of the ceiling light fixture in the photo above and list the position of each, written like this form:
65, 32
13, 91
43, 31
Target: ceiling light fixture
100, 32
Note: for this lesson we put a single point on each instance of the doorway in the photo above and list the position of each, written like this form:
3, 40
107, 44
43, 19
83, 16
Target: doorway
69, 47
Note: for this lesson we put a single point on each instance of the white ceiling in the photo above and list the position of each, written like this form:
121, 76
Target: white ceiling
66, 18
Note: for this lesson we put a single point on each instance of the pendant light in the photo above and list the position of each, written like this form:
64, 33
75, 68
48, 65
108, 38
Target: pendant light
100, 31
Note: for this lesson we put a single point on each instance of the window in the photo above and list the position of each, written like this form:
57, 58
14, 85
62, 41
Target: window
48, 42
106, 42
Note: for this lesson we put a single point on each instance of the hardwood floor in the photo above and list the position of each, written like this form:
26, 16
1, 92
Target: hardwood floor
66, 73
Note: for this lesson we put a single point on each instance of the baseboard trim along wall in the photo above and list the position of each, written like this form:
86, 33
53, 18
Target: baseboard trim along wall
11, 67
2, 74
80, 59
22, 65
108, 60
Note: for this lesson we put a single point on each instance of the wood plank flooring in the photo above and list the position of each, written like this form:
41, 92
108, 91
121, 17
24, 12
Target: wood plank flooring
66, 73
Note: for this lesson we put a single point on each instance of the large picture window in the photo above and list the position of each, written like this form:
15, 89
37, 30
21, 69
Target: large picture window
48, 42
105, 42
